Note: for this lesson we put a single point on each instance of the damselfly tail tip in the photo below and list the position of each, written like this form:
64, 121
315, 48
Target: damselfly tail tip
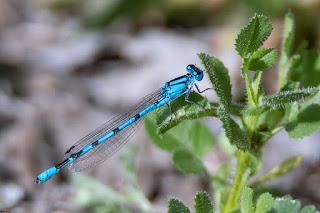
37, 180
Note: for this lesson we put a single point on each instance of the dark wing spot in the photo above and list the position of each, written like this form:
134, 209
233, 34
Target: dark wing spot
69, 149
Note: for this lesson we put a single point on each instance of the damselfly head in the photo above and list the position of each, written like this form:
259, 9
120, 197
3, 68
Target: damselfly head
195, 71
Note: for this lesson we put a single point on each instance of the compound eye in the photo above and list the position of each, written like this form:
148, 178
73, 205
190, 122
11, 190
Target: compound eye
191, 68
198, 75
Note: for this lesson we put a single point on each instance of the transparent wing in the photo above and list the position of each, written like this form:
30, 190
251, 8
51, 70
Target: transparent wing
107, 148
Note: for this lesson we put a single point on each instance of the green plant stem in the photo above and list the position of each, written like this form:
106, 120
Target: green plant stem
243, 170
251, 102
251, 121
240, 180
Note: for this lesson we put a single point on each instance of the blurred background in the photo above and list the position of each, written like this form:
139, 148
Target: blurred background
68, 66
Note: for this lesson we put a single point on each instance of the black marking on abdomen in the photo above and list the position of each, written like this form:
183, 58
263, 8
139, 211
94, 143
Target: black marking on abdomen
76, 155
115, 131
70, 149
183, 76
94, 144
137, 116
60, 165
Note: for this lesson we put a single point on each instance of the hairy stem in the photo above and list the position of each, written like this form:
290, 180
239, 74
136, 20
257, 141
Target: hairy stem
240, 180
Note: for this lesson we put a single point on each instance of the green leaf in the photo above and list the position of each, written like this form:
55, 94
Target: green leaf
306, 123
270, 119
202, 203
219, 78
287, 42
233, 132
288, 33
286, 74
308, 73
168, 141
201, 138
280, 170
290, 85
291, 110
264, 203
246, 201
186, 162
309, 209
176, 206
285, 205
252, 36
255, 111
286, 97
305, 120
262, 59
194, 132
184, 111
258, 191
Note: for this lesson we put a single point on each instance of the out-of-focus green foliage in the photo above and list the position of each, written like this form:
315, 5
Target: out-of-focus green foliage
287, 205
97, 197
280, 170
